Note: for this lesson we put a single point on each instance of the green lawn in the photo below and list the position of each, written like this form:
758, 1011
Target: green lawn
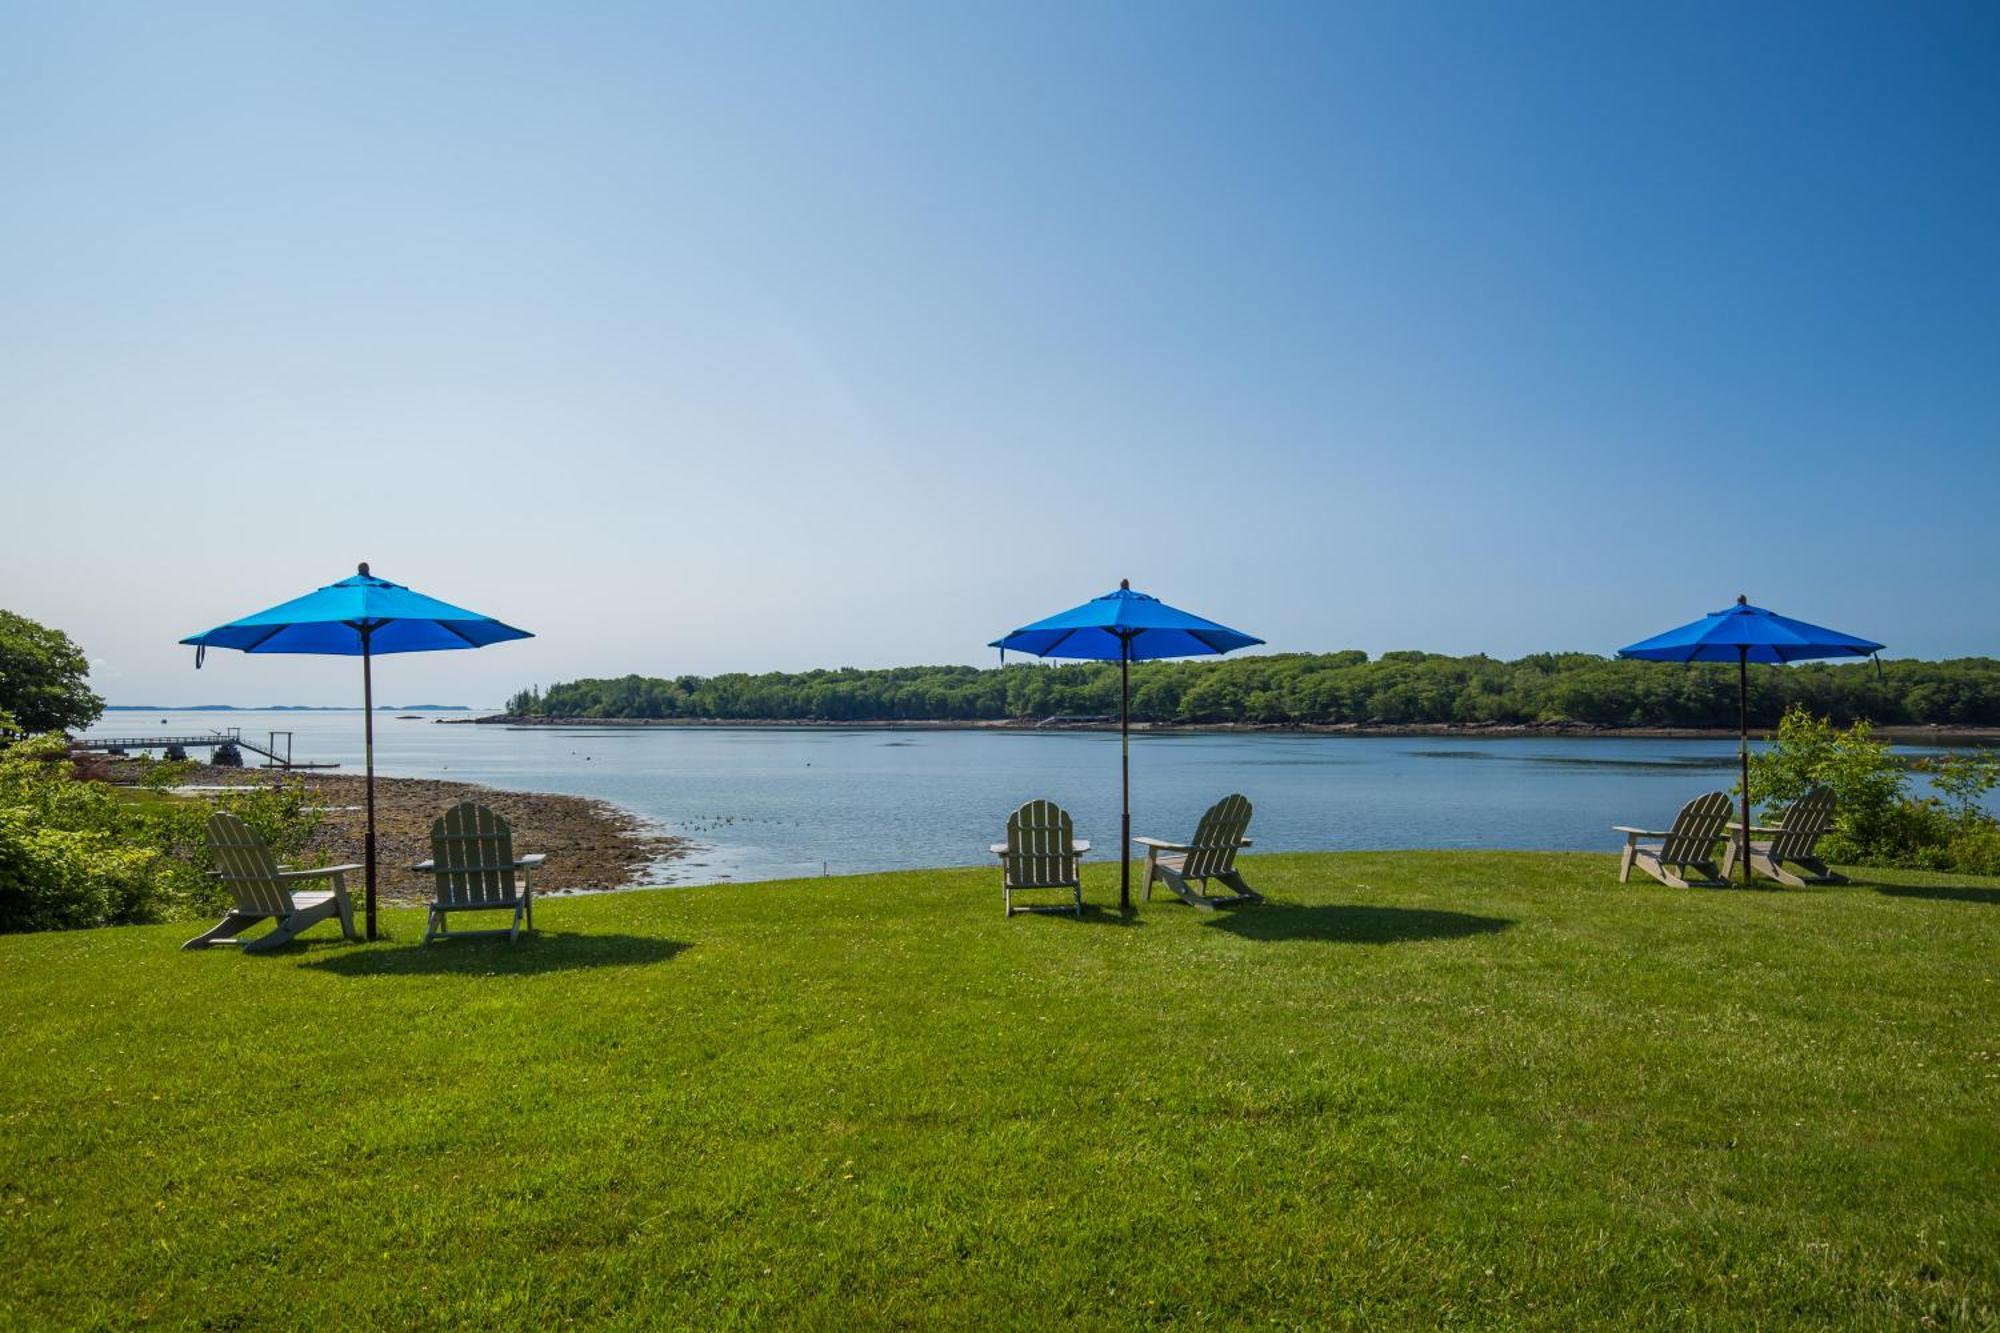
1471, 1090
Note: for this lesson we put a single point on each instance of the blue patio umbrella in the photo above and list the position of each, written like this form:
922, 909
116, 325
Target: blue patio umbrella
1125, 627
362, 616
1744, 634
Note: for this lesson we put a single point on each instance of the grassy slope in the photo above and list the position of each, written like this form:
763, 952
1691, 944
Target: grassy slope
1473, 1089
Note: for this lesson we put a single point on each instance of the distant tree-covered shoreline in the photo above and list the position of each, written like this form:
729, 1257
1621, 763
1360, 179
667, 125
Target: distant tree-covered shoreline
1394, 689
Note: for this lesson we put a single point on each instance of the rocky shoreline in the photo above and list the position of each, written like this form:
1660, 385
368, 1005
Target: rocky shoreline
1902, 735
591, 844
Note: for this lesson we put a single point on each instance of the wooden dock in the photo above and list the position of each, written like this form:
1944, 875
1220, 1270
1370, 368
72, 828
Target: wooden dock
276, 755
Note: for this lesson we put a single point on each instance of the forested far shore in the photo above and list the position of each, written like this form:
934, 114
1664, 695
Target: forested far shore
1310, 689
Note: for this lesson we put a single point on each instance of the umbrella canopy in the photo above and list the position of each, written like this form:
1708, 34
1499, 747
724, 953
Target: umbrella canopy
1748, 633
1125, 627
1124, 624
359, 613
360, 616
1744, 634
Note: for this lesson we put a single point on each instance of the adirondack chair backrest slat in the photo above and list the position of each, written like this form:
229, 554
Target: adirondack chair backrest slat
1697, 828
1215, 838
1039, 855
1802, 826
246, 865
473, 850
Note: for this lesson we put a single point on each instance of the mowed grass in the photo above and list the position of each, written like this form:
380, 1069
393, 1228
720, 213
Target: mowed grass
1478, 1090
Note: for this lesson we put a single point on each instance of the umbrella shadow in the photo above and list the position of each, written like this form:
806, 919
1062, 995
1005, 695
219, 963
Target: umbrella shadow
1348, 924
497, 956
1944, 893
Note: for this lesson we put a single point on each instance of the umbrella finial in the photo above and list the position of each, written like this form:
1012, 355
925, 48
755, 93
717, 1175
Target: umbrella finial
1125, 585
1742, 599
362, 569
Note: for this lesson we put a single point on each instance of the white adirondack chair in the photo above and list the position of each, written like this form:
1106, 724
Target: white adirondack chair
1690, 843
1042, 851
264, 889
1211, 855
472, 856
1796, 835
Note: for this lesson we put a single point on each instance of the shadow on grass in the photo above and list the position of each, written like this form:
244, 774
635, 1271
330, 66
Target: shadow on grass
1944, 893
1354, 925
1093, 915
539, 952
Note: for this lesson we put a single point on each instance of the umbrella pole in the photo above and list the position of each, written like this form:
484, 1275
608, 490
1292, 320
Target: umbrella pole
368, 732
1125, 773
1743, 747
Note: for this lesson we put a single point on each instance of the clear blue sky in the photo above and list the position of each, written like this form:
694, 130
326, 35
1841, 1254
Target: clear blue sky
773, 337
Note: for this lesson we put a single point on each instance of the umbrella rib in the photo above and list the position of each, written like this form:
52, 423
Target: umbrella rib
1059, 642
456, 630
276, 630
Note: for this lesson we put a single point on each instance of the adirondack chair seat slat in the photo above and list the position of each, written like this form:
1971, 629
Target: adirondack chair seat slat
476, 870
1210, 855
263, 890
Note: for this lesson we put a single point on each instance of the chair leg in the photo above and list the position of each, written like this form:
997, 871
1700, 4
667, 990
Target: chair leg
346, 906
1729, 857
291, 927
1152, 869
227, 929
1184, 890
1657, 868
1234, 879
1625, 863
1778, 872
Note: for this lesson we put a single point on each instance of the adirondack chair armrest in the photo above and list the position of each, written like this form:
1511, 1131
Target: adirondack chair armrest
997, 848
1162, 845
1736, 826
1631, 832
528, 862
319, 872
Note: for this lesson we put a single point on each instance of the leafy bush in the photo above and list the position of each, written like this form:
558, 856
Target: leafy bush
73, 853
1877, 820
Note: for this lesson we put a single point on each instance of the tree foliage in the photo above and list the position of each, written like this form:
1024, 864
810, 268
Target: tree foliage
43, 678
1310, 688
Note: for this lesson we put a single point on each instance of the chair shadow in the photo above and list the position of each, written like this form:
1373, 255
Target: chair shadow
532, 953
1093, 915
1347, 924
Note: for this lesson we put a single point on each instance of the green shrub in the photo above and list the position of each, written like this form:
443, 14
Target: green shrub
61, 879
73, 854
1877, 821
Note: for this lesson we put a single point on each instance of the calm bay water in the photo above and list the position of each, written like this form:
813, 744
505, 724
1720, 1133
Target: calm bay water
768, 802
